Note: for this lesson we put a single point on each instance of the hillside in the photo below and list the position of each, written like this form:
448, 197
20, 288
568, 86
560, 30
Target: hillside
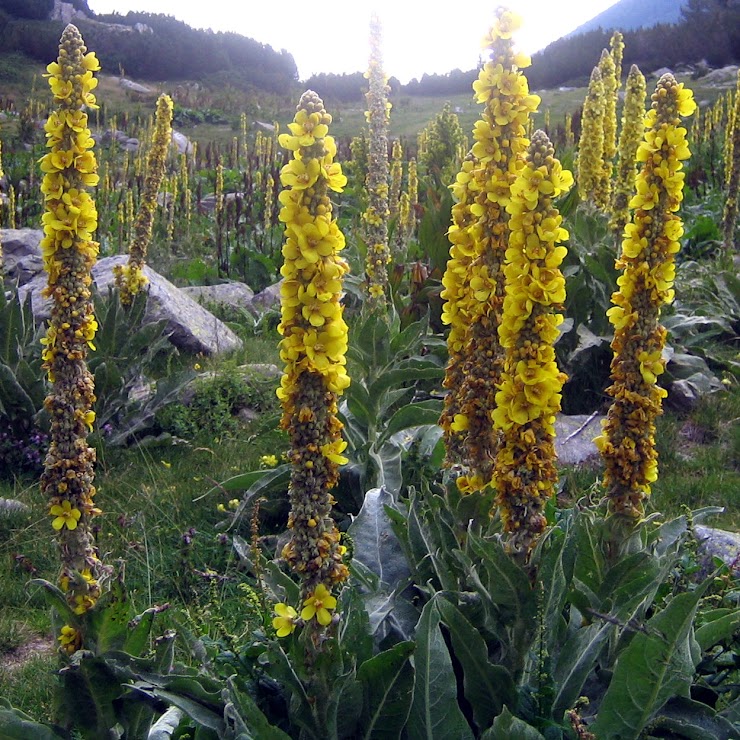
627, 15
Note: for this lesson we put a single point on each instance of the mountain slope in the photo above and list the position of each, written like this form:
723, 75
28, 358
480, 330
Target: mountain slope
627, 15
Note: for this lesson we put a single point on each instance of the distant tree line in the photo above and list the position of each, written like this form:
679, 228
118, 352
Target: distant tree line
172, 51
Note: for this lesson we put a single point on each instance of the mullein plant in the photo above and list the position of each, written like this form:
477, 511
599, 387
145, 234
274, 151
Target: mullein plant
627, 442
629, 139
69, 253
616, 44
474, 278
589, 166
732, 177
530, 391
396, 176
130, 277
376, 215
313, 348
611, 89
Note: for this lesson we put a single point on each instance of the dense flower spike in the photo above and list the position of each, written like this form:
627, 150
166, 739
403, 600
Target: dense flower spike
627, 442
69, 253
376, 216
591, 144
529, 393
396, 177
732, 177
130, 278
611, 88
616, 44
474, 279
629, 140
313, 346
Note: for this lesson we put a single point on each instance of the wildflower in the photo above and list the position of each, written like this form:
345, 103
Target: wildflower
69, 639
377, 212
627, 442
474, 278
589, 163
611, 85
68, 253
629, 140
129, 278
285, 621
732, 176
318, 604
313, 349
269, 461
65, 515
529, 393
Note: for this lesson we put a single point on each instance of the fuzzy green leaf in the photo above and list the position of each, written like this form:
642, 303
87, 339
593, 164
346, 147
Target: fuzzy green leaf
15, 725
388, 682
655, 666
509, 727
435, 712
718, 630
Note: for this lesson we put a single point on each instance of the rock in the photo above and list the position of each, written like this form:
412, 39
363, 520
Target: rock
21, 254
266, 300
191, 327
719, 543
574, 437
658, 73
234, 295
183, 144
722, 77
135, 87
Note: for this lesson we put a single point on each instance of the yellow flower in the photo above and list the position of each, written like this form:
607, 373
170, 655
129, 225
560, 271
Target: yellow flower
269, 461
65, 515
300, 175
285, 621
318, 605
69, 639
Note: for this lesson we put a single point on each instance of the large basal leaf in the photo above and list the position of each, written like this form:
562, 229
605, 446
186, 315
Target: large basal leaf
244, 718
487, 687
165, 726
718, 629
657, 664
435, 712
411, 415
388, 682
110, 618
376, 546
509, 727
589, 566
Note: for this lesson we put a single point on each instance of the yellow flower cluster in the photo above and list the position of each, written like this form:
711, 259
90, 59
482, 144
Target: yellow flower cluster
474, 278
376, 215
69, 253
732, 175
616, 44
130, 278
591, 144
396, 177
314, 343
629, 140
651, 240
609, 81
529, 393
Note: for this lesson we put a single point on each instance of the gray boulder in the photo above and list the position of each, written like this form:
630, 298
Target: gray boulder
232, 295
719, 543
574, 438
266, 300
191, 327
21, 254
183, 144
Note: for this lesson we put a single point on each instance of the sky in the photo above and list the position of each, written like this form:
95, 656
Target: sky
418, 36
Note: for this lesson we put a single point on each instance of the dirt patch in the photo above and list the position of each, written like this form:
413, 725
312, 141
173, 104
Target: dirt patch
21, 655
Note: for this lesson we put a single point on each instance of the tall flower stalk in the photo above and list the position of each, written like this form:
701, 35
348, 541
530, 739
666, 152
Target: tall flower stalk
69, 253
130, 278
474, 279
377, 183
629, 139
627, 442
611, 88
591, 144
313, 349
732, 177
529, 395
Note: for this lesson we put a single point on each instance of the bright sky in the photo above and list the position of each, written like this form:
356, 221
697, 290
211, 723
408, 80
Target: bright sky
331, 36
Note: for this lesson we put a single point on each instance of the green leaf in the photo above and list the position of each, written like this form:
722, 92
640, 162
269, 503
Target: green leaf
15, 725
718, 630
684, 718
654, 667
411, 415
56, 599
488, 687
244, 718
435, 712
388, 682
165, 726
509, 727
589, 566
110, 618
